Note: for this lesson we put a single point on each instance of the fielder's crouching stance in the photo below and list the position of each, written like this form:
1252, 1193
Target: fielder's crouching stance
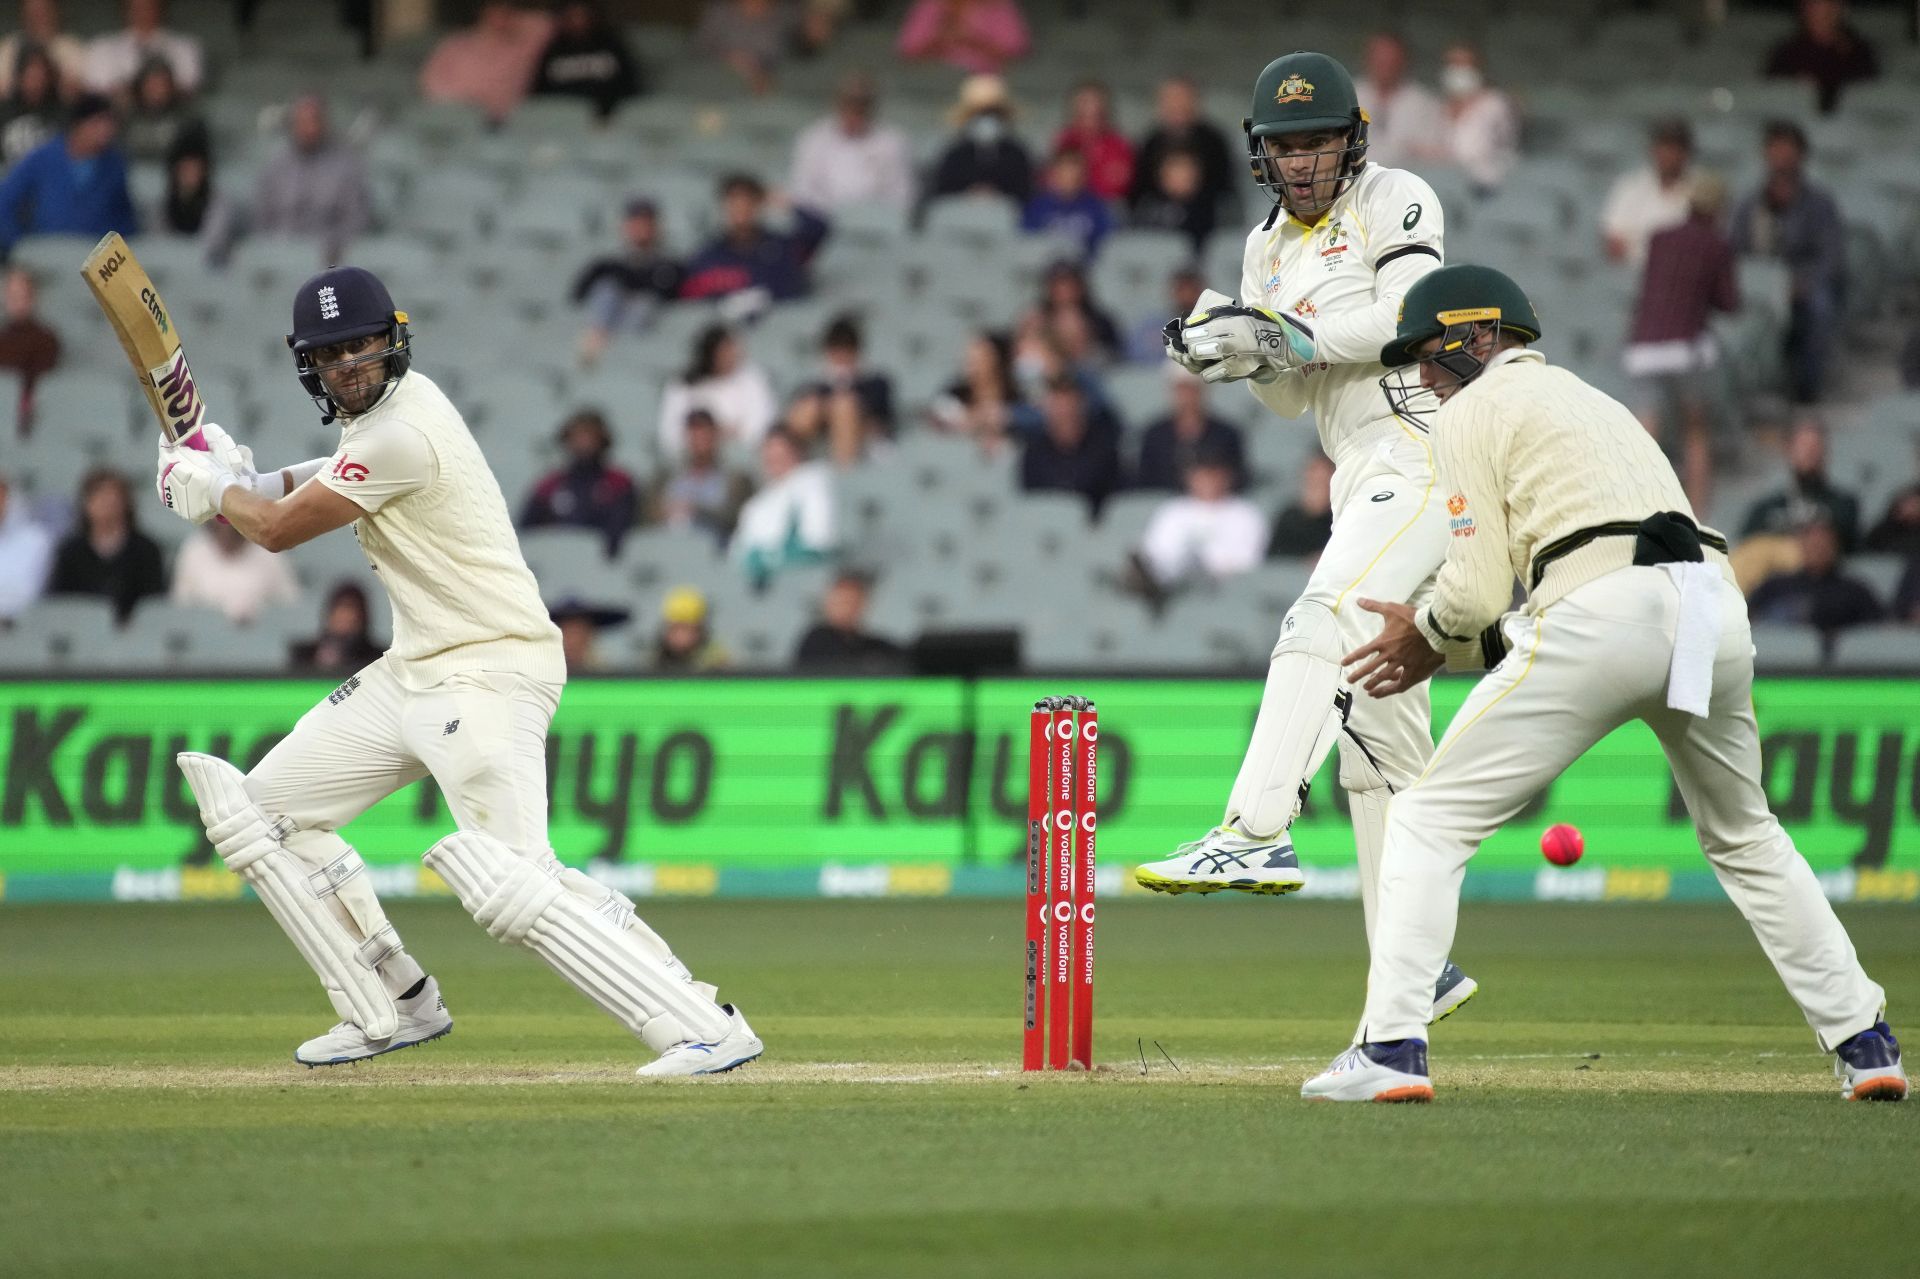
465, 694
1631, 613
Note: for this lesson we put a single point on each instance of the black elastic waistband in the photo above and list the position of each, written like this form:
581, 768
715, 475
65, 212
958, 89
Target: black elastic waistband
1564, 546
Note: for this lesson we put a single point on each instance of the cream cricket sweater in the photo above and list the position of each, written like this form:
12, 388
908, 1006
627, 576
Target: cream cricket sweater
1528, 453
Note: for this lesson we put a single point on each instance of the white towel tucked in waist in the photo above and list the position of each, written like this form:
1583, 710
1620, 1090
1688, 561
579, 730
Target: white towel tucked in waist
1696, 637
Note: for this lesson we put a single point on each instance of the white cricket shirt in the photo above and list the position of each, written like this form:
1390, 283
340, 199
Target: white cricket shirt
436, 530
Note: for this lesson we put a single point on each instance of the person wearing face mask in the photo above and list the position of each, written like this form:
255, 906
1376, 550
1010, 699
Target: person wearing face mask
1322, 284
1483, 130
985, 157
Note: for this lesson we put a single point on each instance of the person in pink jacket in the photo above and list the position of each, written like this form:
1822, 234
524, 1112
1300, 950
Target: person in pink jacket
978, 36
489, 65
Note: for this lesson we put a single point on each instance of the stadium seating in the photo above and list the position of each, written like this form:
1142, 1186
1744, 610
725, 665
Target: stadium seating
482, 230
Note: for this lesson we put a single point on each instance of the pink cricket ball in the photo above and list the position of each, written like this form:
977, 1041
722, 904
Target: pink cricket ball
1562, 844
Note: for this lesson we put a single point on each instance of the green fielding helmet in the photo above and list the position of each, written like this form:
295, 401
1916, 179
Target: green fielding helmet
1456, 295
1299, 93
1303, 91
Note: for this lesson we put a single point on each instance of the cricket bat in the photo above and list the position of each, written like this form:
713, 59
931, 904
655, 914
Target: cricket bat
146, 331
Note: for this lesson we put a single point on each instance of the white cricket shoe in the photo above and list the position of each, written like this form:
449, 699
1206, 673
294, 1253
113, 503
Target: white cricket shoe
1225, 858
423, 1017
1374, 1072
1868, 1066
1452, 990
691, 1057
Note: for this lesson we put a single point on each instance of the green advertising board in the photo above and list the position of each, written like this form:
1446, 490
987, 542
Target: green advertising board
901, 785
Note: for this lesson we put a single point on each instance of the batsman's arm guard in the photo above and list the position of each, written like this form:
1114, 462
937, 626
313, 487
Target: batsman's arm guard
330, 913
587, 932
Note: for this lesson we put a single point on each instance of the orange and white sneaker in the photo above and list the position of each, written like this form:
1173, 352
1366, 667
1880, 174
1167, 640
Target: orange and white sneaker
1374, 1072
1869, 1066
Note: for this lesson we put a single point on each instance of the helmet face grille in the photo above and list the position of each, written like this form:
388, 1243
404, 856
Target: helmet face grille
1266, 167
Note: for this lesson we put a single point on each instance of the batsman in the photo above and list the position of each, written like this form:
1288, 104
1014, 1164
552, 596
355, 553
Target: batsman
465, 695
1320, 292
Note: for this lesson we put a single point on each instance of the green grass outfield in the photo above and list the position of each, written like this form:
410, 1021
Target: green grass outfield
1631, 1094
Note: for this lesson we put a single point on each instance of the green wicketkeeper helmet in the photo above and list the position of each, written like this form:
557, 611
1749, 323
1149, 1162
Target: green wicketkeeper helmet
1450, 304
1299, 93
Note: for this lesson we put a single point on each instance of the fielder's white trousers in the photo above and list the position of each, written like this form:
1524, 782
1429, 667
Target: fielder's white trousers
1594, 660
482, 736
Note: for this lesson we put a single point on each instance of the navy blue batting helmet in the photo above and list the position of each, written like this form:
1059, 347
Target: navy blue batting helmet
342, 304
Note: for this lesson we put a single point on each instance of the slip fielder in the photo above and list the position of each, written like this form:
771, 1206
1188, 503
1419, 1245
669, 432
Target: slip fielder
1320, 291
465, 695
1631, 613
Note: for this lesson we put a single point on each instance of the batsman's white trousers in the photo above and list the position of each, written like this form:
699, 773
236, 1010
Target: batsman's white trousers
1591, 662
482, 736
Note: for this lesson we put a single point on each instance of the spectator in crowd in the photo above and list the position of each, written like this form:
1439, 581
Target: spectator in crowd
1406, 120
1671, 353
157, 114
984, 158
1208, 532
1820, 594
1069, 454
1482, 127
1301, 529
1064, 291
1065, 207
1179, 126
752, 37
1898, 532
819, 22
791, 519
848, 159
316, 187
1825, 51
489, 65
749, 255
26, 549
114, 60
1809, 495
40, 27
977, 36
1175, 201
1090, 131
1652, 197
75, 184
345, 643
839, 640
108, 555
1796, 222
27, 346
1147, 341
589, 491
218, 568
32, 112
686, 645
984, 403
702, 491
580, 625
587, 58
728, 385
1906, 595
623, 292
850, 405
1170, 445
193, 206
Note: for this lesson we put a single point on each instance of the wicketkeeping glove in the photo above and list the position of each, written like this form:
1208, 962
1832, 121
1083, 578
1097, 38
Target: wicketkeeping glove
1174, 333
1235, 342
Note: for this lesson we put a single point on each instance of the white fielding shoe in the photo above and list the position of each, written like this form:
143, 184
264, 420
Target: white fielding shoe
1226, 859
1374, 1072
423, 1017
691, 1057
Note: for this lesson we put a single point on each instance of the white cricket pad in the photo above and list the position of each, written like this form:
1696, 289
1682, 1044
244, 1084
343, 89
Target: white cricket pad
587, 932
325, 912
